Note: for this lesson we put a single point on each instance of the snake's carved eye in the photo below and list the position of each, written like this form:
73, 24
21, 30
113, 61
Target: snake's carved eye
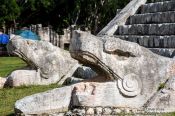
130, 85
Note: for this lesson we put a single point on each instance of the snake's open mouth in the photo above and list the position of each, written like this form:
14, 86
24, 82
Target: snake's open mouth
25, 59
30, 63
91, 60
130, 85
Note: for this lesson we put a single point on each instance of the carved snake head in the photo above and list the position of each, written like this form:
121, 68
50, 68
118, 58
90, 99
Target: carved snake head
137, 70
42, 55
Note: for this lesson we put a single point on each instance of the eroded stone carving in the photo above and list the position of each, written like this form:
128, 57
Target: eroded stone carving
130, 85
48, 64
129, 79
136, 71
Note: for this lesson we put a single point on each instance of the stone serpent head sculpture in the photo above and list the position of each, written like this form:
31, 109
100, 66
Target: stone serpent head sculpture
50, 62
136, 71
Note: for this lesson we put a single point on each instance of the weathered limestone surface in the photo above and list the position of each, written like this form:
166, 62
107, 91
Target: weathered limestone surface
2, 82
164, 100
60, 100
136, 71
49, 62
56, 100
102, 92
24, 77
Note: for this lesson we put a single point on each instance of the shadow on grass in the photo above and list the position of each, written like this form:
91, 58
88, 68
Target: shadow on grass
11, 114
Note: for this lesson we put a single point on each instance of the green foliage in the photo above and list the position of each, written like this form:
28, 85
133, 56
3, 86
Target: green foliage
8, 64
34, 11
9, 10
95, 14
92, 14
8, 96
168, 114
161, 86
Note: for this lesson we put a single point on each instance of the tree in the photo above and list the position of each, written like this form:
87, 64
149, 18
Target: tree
92, 14
9, 11
35, 11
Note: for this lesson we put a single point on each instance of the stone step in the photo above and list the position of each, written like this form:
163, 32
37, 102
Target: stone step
151, 41
164, 52
158, 7
152, 1
150, 18
147, 29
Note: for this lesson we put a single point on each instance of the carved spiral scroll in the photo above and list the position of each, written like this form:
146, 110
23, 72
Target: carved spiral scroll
130, 85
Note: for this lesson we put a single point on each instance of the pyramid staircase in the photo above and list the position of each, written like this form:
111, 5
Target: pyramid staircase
153, 26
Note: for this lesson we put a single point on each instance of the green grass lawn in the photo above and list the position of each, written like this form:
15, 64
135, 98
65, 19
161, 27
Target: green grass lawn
8, 64
8, 96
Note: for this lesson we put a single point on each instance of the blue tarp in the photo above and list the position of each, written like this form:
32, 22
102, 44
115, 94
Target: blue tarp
27, 34
4, 39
